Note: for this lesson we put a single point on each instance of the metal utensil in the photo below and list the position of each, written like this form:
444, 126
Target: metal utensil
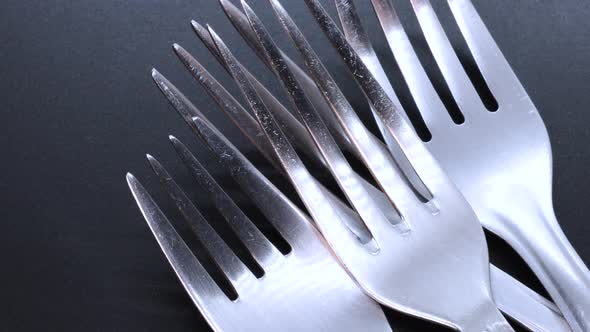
305, 290
445, 226
513, 298
501, 161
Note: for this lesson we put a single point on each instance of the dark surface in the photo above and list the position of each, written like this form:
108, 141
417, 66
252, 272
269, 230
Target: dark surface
80, 110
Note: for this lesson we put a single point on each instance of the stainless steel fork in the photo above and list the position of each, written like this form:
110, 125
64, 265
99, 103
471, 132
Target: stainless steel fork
513, 298
501, 161
305, 290
435, 252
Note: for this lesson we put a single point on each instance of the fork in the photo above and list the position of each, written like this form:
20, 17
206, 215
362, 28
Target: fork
304, 290
501, 161
515, 299
405, 248
360, 42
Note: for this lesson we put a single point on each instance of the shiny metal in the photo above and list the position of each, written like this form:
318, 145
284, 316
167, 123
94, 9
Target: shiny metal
241, 24
513, 298
251, 129
448, 244
320, 103
305, 290
501, 161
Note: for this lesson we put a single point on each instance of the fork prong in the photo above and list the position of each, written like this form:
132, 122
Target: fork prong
241, 24
457, 80
374, 155
287, 120
494, 67
202, 289
187, 110
289, 221
289, 123
427, 100
359, 40
183, 106
324, 214
346, 178
228, 104
417, 163
298, 133
205, 38
242, 118
261, 249
235, 271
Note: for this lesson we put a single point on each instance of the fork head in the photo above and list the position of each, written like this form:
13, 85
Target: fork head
501, 161
287, 295
440, 255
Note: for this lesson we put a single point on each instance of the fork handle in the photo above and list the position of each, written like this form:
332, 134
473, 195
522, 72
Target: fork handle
525, 306
557, 265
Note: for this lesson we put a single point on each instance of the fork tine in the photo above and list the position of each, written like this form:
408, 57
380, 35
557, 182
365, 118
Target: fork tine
347, 179
325, 216
359, 40
240, 22
457, 80
298, 134
286, 119
289, 221
261, 249
417, 162
431, 108
205, 38
194, 278
494, 67
228, 104
242, 118
375, 156
185, 108
295, 131
235, 271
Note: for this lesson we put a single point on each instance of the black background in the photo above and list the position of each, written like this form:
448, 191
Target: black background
79, 110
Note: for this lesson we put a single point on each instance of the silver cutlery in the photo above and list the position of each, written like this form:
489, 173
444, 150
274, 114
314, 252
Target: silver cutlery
501, 161
443, 239
513, 298
304, 290
411, 184
512, 301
